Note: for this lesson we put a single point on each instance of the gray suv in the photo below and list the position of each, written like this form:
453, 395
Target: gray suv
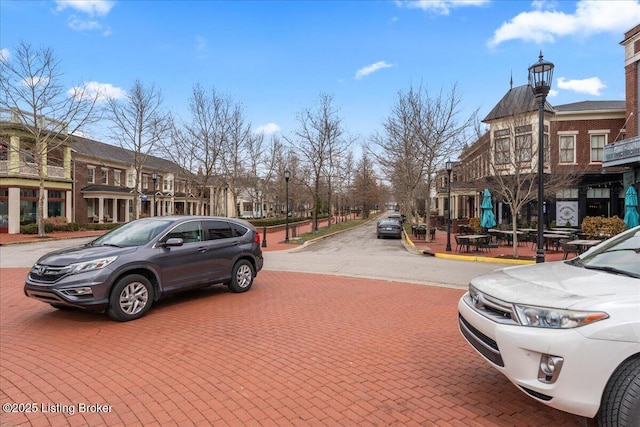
125, 270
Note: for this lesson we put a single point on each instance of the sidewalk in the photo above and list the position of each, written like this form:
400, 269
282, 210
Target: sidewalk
275, 242
275, 238
437, 247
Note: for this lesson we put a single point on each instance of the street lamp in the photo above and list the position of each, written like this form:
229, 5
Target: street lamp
449, 167
287, 175
226, 187
154, 178
540, 76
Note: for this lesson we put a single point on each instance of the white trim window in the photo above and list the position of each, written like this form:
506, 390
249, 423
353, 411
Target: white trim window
567, 149
523, 148
91, 175
117, 176
502, 151
105, 177
598, 141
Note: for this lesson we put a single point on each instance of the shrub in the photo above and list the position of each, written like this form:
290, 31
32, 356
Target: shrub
598, 227
474, 223
33, 228
59, 223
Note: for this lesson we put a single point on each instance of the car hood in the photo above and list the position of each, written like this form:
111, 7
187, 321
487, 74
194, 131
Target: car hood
555, 284
82, 253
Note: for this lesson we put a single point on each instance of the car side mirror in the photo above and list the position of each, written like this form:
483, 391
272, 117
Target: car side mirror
173, 241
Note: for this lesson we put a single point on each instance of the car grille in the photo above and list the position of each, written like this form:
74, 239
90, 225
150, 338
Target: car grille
47, 274
493, 308
485, 345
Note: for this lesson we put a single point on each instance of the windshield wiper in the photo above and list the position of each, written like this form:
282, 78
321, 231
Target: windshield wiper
636, 250
110, 244
612, 270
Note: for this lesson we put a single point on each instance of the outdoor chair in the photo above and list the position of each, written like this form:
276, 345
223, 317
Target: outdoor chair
459, 243
568, 249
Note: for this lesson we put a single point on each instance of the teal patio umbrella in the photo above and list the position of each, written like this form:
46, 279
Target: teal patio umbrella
631, 216
488, 219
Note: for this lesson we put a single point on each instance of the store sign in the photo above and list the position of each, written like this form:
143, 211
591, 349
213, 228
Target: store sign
566, 212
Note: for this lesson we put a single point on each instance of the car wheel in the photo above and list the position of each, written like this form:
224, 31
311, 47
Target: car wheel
620, 405
130, 298
241, 276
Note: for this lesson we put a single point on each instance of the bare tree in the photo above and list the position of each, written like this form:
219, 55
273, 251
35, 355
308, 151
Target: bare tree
318, 140
234, 154
421, 133
45, 113
514, 167
365, 184
138, 124
208, 129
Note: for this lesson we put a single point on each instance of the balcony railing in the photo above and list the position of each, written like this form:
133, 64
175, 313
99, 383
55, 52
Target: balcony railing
14, 115
30, 170
623, 152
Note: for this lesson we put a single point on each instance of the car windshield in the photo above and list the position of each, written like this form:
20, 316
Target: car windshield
619, 255
135, 233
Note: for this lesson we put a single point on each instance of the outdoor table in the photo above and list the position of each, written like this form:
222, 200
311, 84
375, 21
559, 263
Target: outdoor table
583, 245
508, 235
554, 238
471, 239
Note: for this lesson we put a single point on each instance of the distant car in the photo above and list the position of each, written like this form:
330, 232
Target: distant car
389, 228
398, 217
565, 333
124, 271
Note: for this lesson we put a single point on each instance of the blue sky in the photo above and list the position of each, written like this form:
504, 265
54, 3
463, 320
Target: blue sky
277, 57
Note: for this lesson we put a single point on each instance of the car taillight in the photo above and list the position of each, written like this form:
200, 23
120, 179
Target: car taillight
257, 238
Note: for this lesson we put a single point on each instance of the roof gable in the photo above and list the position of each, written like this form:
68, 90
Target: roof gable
518, 100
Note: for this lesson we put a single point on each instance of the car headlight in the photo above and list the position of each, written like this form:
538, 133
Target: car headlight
95, 264
555, 318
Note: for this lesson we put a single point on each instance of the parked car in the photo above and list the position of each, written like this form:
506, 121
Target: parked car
398, 217
565, 333
389, 228
124, 271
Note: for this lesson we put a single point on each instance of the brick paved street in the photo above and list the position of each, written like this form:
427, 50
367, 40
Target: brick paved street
298, 349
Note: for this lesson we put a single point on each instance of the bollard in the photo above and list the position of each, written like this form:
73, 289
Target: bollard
264, 238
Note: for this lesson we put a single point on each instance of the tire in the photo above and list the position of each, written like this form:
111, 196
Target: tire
241, 276
620, 406
130, 298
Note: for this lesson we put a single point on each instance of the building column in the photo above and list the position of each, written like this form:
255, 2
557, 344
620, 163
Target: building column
45, 204
127, 206
101, 210
68, 206
114, 202
14, 210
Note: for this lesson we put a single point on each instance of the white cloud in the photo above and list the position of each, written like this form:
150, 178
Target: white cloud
89, 7
591, 86
4, 55
589, 18
369, 69
268, 129
442, 7
103, 91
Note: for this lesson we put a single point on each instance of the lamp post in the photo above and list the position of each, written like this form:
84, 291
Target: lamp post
154, 178
449, 167
540, 76
287, 175
226, 187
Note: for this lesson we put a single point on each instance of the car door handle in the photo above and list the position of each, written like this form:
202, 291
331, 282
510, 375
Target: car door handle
202, 249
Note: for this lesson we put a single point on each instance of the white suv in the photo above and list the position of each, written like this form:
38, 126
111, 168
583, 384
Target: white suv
565, 333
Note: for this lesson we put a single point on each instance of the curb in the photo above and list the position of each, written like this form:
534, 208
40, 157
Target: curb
429, 252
